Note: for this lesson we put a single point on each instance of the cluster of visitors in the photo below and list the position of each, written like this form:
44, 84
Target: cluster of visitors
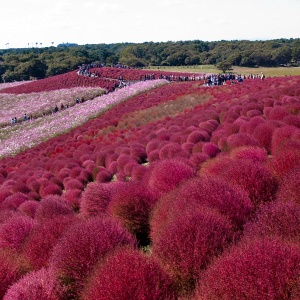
25, 118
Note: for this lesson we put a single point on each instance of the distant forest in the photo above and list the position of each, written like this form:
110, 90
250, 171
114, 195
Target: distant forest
29, 63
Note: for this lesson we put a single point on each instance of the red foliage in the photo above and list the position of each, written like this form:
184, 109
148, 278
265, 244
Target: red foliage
199, 135
276, 219
190, 241
253, 177
12, 267
259, 269
29, 208
131, 204
172, 150
42, 239
51, 189
14, 231
241, 139
82, 247
165, 175
95, 198
13, 201
53, 206
288, 189
129, 274
35, 285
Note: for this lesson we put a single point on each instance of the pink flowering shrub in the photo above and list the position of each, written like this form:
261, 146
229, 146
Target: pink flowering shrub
12, 267
82, 247
260, 269
131, 204
129, 274
186, 245
35, 285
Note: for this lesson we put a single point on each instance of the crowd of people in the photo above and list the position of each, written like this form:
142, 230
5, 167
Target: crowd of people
53, 111
208, 80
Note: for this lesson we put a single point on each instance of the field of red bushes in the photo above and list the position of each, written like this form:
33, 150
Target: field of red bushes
181, 192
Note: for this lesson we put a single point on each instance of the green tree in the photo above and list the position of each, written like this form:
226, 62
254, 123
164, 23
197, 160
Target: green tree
224, 66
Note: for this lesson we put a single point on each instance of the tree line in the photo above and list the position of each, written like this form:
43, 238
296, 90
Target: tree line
28, 63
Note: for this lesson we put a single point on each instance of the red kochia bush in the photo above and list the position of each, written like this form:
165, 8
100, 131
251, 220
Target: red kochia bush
276, 219
13, 201
53, 206
186, 245
288, 189
29, 208
165, 175
43, 238
95, 198
82, 247
14, 231
12, 267
253, 177
36, 285
260, 270
129, 274
131, 204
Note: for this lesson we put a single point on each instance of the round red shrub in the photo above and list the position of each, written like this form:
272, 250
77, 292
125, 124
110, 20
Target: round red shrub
259, 269
190, 241
131, 204
13, 201
95, 198
12, 267
51, 189
210, 149
199, 135
71, 183
42, 239
165, 175
256, 154
276, 219
82, 247
104, 175
117, 279
288, 189
29, 208
35, 285
52, 206
241, 139
172, 150
14, 231
253, 177
153, 156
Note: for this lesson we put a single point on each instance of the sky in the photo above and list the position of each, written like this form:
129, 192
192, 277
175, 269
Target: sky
43, 23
